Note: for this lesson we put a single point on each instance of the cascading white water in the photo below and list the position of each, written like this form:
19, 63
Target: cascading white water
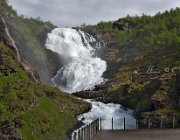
82, 70
106, 112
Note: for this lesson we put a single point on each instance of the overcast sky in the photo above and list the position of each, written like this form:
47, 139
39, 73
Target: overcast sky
65, 13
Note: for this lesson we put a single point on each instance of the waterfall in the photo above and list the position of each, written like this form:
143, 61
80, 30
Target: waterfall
82, 70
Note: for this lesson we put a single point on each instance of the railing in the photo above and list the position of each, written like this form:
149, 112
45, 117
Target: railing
86, 132
118, 124
170, 121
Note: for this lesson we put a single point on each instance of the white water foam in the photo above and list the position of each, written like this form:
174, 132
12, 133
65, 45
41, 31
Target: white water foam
108, 111
82, 70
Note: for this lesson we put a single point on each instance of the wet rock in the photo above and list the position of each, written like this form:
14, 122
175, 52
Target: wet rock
88, 94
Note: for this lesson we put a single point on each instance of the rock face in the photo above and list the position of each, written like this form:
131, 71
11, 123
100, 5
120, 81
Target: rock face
146, 80
9, 129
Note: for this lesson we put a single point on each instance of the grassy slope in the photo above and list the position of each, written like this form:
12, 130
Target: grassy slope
37, 111
32, 32
27, 29
30, 35
44, 112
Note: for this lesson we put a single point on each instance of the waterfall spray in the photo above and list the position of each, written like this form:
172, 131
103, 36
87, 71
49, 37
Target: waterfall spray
82, 70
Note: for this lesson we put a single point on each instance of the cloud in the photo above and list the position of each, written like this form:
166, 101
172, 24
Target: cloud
66, 13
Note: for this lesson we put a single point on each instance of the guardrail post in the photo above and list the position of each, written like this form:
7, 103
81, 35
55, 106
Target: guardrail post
85, 133
88, 132
112, 123
82, 133
161, 122
79, 134
174, 119
95, 127
75, 136
90, 129
149, 124
98, 124
137, 124
94, 132
124, 123
71, 137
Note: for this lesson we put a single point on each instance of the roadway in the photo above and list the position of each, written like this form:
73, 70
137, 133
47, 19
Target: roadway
157, 134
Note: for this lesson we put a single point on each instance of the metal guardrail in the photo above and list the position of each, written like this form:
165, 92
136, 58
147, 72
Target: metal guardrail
86, 132
118, 124
170, 121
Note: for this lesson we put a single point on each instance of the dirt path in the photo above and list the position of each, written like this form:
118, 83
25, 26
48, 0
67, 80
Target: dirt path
166, 134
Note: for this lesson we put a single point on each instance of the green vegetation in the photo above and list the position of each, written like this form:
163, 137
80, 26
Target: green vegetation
32, 110
30, 36
4, 7
44, 112
145, 35
31, 31
135, 45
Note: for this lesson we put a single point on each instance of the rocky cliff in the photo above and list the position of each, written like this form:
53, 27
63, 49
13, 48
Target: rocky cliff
142, 54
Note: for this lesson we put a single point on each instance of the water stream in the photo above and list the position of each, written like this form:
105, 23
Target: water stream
27, 67
82, 71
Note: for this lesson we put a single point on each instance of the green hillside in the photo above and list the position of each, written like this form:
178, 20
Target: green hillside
143, 57
29, 110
